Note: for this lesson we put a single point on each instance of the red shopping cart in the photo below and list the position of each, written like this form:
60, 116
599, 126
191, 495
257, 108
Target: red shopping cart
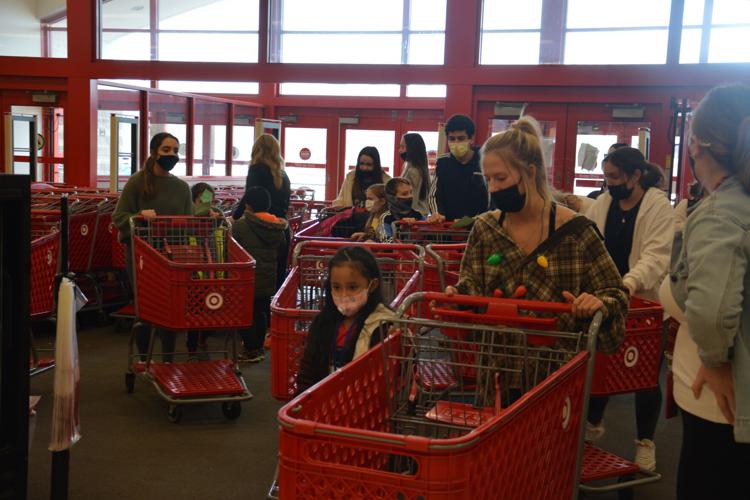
379, 427
634, 367
45, 247
301, 296
190, 274
442, 265
423, 233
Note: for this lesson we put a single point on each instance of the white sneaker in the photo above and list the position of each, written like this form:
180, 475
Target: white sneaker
594, 432
645, 454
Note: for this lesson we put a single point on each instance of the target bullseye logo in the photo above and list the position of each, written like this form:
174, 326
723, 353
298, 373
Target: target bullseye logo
84, 229
320, 265
567, 407
214, 301
631, 356
49, 257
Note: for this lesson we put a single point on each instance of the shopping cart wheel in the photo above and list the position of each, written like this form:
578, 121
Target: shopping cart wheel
174, 413
232, 410
130, 382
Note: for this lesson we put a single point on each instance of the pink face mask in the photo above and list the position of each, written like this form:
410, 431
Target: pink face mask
349, 305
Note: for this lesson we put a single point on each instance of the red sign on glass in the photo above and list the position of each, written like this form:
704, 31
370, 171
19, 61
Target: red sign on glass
304, 154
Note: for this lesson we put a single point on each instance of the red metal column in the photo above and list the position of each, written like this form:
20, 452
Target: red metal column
81, 109
462, 32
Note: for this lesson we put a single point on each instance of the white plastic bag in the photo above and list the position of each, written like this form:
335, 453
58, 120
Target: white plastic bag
65, 419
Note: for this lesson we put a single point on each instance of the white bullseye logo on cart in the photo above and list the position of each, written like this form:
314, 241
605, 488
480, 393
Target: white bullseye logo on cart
214, 301
567, 407
631, 356
49, 257
84, 229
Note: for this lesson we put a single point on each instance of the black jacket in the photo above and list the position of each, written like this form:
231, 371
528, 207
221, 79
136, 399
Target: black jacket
260, 175
459, 190
262, 239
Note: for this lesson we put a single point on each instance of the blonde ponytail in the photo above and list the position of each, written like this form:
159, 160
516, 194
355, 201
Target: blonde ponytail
521, 147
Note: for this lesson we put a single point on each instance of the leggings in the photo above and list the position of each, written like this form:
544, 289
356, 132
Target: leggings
254, 336
712, 464
647, 408
142, 332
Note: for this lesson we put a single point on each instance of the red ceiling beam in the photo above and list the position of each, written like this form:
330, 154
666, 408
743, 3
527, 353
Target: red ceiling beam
541, 75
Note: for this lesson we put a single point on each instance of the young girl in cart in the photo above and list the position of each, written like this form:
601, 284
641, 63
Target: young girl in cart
534, 249
350, 322
377, 206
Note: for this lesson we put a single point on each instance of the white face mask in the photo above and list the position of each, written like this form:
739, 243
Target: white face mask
349, 305
369, 204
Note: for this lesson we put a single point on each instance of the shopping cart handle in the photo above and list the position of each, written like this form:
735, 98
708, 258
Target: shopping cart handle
476, 301
340, 244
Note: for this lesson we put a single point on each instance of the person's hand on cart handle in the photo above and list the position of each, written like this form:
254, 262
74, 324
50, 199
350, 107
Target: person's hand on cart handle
451, 290
148, 214
585, 305
720, 381
436, 219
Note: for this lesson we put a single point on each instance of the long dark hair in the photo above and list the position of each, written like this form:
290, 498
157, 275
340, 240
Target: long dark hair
323, 330
722, 124
628, 160
360, 186
149, 189
416, 155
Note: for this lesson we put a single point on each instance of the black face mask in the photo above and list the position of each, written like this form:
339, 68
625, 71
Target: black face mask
620, 192
404, 156
509, 199
400, 207
168, 162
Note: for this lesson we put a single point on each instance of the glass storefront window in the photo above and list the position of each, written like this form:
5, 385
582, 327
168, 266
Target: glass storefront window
716, 35
210, 138
215, 31
30, 28
341, 89
243, 138
396, 32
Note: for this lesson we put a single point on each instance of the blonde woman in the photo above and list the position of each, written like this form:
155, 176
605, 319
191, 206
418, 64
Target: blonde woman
267, 171
534, 248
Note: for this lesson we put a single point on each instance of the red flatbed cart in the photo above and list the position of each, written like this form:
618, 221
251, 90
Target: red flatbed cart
190, 274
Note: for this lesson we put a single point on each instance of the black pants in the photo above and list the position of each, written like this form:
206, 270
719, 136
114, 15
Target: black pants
254, 336
647, 408
142, 332
712, 464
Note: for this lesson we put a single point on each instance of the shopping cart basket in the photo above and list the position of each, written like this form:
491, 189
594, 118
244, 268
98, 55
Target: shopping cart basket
423, 233
191, 275
300, 298
442, 265
634, 367
378, 429
45, 247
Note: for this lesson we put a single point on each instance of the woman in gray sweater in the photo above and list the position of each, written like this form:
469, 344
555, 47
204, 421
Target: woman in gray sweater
151, 192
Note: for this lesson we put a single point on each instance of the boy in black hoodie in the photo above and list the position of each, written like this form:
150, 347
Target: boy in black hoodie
262, 235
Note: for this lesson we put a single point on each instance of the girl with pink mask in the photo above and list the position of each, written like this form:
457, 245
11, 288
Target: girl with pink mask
351, 321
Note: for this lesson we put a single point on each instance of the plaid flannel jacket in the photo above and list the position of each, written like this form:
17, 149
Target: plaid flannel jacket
577, 262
